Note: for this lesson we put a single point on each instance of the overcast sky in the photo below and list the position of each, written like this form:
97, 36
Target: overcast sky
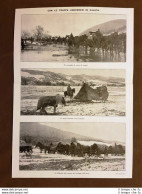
103, 131
65, 24
99, 72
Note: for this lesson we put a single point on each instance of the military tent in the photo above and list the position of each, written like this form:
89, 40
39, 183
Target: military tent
86, 93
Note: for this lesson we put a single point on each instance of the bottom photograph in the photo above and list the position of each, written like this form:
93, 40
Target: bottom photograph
72, 146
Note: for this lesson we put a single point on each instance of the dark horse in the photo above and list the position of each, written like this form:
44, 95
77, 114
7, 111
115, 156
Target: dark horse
26, 149
43, 147
72, 91
63, 148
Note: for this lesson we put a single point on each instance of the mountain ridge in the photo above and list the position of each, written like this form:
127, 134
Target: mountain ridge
35, 132
109, 27
33, 77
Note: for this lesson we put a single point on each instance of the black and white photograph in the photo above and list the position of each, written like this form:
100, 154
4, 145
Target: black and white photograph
73, 37
72, 146
73, 92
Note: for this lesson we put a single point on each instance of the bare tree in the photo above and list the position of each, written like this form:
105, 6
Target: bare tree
25, 35
38, 33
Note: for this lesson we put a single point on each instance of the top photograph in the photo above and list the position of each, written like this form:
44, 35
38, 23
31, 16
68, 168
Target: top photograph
73, 38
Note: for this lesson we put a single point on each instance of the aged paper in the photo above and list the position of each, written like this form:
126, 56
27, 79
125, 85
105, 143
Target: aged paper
73, 93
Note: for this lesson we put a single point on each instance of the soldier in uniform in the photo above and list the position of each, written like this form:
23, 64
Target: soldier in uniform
68, 89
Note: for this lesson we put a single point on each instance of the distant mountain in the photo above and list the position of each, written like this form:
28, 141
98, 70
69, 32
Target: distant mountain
42, 75
36, 77
96, 77
36, 132
108, 27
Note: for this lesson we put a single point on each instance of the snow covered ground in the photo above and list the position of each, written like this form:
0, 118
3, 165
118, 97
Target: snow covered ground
114, 106
41, 161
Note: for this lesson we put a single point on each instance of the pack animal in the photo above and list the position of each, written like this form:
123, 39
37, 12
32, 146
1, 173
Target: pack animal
102, 93
45, 101
26, 149
42, 147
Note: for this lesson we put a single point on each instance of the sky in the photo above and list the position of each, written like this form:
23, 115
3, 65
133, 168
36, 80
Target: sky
65, 24
103, 131
99, 72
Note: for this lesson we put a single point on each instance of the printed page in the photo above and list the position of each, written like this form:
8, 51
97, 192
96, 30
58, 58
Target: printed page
73, 93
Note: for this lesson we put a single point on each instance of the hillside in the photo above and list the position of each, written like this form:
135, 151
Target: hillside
108, 27
36, 77
35, 132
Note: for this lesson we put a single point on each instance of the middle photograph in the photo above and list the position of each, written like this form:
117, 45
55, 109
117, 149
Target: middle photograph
73, 92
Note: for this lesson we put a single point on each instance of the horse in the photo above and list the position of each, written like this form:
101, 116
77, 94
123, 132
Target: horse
63, 148
42, 147
45, 101
72, 91
26, 149
52, 149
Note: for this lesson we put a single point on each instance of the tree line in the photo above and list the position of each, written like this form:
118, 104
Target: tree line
95, 41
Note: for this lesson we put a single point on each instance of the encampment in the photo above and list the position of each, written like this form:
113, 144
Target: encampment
86, 93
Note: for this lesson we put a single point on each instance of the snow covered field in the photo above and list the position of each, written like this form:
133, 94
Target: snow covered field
114, 106
41, 161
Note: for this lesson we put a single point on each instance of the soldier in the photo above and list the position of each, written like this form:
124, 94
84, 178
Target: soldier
68, 89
